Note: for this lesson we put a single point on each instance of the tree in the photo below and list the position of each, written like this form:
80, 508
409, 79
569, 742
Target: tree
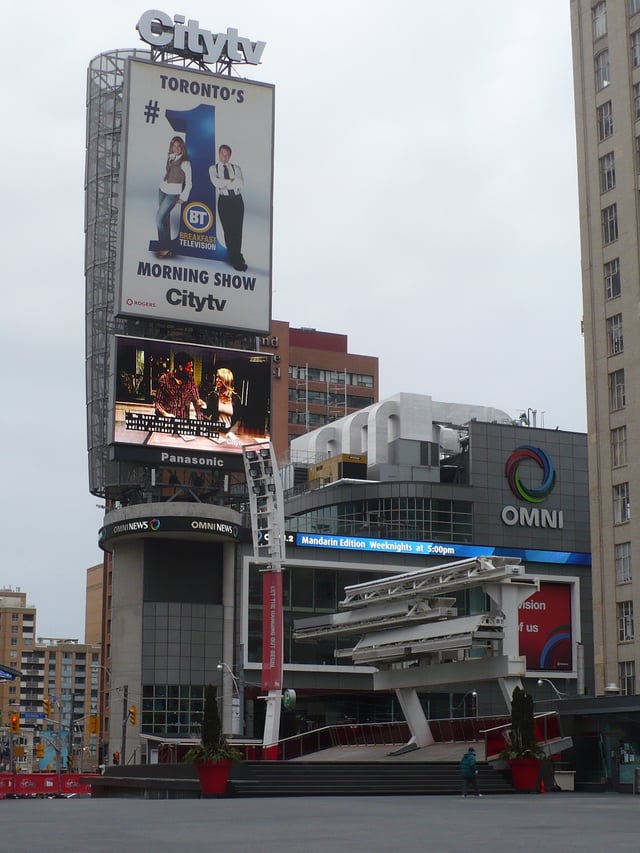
522, 738
213, 745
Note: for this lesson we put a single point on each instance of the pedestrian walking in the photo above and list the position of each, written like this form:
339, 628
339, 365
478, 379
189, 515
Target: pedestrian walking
469, 773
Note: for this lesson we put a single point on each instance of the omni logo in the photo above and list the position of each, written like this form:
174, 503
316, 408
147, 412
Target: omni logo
197, 217
536, 494
531, 516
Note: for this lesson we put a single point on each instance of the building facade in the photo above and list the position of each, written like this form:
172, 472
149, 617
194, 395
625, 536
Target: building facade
606, 59
315, 381
55, 697
433, 483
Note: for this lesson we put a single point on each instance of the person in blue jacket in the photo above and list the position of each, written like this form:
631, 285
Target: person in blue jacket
469, 772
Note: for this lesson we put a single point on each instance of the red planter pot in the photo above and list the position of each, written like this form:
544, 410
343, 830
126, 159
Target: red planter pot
525, 773
213, 776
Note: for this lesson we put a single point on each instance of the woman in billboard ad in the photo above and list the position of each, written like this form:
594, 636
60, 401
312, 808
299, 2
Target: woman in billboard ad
174, 189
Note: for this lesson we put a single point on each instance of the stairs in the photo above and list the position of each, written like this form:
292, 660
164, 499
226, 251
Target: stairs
362, 778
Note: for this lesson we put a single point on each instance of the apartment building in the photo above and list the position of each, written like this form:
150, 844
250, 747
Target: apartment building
606, 59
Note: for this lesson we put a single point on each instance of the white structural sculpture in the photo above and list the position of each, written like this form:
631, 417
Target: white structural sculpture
408, 629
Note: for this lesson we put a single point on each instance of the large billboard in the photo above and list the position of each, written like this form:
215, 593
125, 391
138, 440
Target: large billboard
186, 405
196, 198
545, 628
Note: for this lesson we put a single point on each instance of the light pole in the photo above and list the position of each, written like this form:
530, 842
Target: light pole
474, 706
548, 681
235, 700
104, 691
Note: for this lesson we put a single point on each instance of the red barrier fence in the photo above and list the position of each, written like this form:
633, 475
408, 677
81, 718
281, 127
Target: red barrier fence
27, 784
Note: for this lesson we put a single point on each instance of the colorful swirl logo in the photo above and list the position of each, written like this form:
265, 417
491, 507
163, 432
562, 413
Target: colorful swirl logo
154, 524
543, 461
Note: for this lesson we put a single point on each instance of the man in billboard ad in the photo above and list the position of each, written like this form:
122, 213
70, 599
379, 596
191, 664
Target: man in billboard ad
544, 622
196, 198
196, 400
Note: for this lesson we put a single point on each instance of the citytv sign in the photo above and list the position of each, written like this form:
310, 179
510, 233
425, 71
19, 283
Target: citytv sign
187, 38
531, 515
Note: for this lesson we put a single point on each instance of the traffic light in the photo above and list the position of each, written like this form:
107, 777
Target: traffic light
46, 707
69, 760
39, 750
94, 724
116, 758
15, 723
133, 715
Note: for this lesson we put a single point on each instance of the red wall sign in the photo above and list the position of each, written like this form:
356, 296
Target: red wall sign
546, 639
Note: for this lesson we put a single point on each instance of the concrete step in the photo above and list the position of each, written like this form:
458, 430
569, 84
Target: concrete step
281, 778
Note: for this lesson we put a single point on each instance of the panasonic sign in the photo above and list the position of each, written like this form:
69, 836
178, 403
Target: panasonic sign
188, 39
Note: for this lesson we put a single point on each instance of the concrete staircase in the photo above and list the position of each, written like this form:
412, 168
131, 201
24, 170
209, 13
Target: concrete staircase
361, 778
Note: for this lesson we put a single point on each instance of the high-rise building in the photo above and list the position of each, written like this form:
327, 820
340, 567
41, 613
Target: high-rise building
56, 694
606, 59
315, 381
17, 632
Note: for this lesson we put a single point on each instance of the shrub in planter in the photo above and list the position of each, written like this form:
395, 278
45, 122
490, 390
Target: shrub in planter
213, 755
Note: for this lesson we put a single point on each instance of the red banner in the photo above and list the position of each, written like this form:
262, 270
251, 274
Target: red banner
272, 631
546, 638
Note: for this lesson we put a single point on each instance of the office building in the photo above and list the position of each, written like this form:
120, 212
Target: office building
606, 59
315, 381
56, 694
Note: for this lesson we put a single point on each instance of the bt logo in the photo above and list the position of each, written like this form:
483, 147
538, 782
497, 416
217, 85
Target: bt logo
197, 217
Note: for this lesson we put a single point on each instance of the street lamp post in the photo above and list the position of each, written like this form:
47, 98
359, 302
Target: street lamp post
548, 681
125, 719
104, 689
460, 704
235, 700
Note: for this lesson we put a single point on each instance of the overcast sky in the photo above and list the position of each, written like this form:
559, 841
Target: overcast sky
425, 205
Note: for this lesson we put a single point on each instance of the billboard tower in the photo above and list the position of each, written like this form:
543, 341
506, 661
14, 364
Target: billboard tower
178, 221
193, 266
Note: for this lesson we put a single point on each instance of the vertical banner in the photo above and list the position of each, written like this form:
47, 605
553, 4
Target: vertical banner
544, 621
272, 631
196, 198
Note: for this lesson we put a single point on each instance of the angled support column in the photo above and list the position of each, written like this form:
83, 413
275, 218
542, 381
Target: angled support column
414, 715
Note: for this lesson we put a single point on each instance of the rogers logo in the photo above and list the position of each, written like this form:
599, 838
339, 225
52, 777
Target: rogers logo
141, 302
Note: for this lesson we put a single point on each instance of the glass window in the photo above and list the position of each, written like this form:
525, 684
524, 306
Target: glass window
612, 285
627, 677
635, 48
605, 121
617, 392
625, 621
619, 446
623, 562
621, 503
614, 334
607, 172
602, 70
634, 7
610, 224
599, 19
636, 100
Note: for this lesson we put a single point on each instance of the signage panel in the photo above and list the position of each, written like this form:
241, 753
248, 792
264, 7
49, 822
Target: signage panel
545, 631
196, 199
434, 549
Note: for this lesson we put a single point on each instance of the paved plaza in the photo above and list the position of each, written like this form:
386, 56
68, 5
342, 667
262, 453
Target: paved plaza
549, 822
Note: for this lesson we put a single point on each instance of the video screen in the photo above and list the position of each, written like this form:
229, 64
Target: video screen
187, 397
